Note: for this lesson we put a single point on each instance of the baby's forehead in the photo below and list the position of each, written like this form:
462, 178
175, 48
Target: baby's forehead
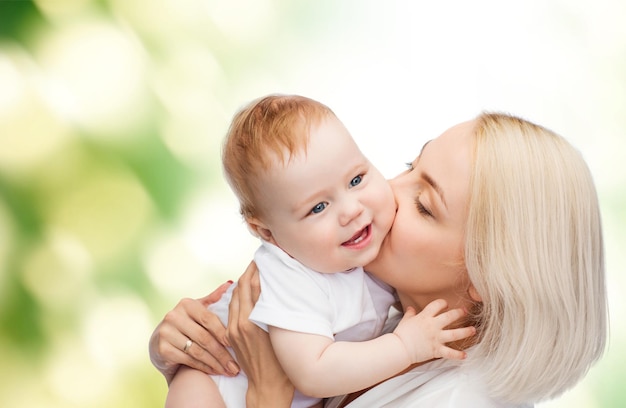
323, 146
279, 158
281, 146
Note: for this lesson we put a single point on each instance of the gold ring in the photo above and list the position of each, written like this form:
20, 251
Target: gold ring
187, 345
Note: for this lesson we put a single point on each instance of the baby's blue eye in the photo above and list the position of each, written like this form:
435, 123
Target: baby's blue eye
319, 208
356, 181
409, 166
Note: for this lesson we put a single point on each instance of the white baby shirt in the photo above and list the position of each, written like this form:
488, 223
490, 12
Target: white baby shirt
349, 306
346, 306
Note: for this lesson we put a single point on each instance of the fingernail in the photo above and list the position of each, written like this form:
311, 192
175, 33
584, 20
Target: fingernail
229, 281
232, 368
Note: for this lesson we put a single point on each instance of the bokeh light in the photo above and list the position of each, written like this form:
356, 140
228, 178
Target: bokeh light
112, 112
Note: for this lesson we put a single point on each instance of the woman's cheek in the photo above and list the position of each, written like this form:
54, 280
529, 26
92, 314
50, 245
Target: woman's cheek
409, 249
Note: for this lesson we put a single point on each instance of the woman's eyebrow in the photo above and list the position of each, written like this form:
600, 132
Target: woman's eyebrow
428, 179
421, 151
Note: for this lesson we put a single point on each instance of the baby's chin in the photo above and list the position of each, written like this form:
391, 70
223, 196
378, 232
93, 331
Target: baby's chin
374, 263
362, 260
371, 260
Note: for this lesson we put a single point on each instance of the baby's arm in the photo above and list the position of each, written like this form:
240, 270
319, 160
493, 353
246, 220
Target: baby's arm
191, 388
319, 367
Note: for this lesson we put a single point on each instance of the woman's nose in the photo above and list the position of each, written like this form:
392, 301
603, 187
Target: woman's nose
395, 185
398, 185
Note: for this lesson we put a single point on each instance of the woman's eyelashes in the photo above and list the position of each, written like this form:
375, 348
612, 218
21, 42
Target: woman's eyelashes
421, 208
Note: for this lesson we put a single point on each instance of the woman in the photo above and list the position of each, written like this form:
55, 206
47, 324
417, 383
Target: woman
496, 215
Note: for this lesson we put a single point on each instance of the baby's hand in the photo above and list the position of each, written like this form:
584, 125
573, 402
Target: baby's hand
424, 336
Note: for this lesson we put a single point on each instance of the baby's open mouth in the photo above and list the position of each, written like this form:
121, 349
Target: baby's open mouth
358, 237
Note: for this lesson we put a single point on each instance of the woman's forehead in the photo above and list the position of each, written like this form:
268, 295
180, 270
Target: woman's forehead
447, 160
453, 144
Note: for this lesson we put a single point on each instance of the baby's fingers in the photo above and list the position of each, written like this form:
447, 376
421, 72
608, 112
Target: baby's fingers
409, 312
434, 308
450, 316
452, 354
451, 335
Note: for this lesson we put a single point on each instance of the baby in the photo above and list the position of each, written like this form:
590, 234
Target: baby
322, 211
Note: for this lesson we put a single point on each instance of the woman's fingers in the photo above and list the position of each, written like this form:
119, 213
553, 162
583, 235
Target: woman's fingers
161, 354
208, 334
252, 344
190, 320
244, 297
251, 285
233, 315
216, 294
173, 351
244, 334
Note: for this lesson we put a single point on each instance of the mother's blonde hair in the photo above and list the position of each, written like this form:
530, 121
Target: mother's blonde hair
534, 253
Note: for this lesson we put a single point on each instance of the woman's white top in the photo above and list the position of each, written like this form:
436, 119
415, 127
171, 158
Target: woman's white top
438, 384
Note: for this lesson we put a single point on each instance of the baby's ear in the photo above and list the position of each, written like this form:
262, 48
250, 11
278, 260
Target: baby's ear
259, 229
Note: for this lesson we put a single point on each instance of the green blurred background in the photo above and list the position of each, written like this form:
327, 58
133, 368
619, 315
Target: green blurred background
112, 203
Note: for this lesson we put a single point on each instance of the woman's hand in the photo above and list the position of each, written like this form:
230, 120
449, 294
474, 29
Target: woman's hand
268, 384
191, 321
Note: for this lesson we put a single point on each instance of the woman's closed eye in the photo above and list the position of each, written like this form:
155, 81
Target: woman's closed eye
421, 208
